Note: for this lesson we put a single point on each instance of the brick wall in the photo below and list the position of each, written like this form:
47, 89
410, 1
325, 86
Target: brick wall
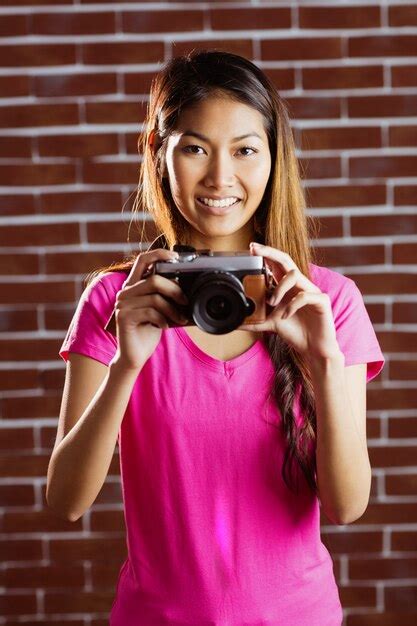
74, 79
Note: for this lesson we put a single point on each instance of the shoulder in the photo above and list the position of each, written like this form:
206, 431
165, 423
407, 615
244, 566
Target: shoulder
101, 292
108, 283
336, 285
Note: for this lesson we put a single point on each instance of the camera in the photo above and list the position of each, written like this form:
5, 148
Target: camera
224, 289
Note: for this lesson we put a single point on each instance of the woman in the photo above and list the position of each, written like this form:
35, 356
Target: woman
228, 444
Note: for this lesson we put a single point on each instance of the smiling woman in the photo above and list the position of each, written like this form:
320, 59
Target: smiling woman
226, 445
230, 179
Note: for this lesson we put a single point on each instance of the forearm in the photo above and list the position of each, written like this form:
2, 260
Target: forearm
80, 463
343, 467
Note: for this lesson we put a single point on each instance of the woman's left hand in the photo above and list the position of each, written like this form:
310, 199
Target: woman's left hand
301, 314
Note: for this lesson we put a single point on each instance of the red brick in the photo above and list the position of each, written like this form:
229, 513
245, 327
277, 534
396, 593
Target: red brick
73, 23
19, 264
138, 82
384, 225
16, 438
13, 25
23, 379
116, 53
16, 320
382, 106
405, 312
282, 78
320, 167
14, 55
353, 255
301, 48
37, 174
382, 569
405, 15
167, 21
112, 173
15, 147
38, 521
47, 577
88, 549
382, 619
386, 513
346, 195
38, 115
403, 427
18, 603
385, 167
17, 495
81, 202
115, 112
79, 602
244, 47
403, 136
80, 262
403, 370
18, 3
342, 77
107, 521
352, 542
42, 292
405, 195
101, 232
382, 46
16, 350
16, 466
403, 540
105, 575
17, 204
313, 108
404, 76
402, 485
399, 597
340, 138
339, 17
78, 145
40, 234
61, 85
14, 86
393, 456
250, 18
351, 596
21, 550
32, 406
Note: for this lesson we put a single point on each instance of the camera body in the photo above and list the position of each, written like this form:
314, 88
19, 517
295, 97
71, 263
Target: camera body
224, 289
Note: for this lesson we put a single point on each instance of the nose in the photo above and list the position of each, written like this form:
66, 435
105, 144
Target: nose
220, 171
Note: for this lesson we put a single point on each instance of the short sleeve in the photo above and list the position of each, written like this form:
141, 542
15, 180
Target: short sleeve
355, 333
86, 334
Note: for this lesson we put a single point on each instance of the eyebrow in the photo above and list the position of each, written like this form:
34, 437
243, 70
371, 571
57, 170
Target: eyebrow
193, 133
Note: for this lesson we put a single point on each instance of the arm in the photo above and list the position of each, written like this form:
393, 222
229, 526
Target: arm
343, 467
87, 433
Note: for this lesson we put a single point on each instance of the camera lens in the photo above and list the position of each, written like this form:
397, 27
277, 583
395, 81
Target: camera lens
219, 304
219, 307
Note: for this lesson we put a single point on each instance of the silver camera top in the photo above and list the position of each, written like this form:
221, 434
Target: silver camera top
207, 260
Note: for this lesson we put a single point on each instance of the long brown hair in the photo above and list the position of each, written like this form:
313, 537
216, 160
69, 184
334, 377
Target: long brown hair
280, 220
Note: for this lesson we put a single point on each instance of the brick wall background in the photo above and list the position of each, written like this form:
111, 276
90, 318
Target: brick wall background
74, 80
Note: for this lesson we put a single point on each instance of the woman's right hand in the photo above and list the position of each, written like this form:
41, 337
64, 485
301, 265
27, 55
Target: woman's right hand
142, 311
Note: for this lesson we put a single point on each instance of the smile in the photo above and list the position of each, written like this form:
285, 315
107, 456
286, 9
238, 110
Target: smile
218, 208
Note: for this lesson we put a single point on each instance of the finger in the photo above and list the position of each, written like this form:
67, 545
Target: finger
287, 283
138, 317
144, 260
159, 303
303, 299
156, 284
280, 257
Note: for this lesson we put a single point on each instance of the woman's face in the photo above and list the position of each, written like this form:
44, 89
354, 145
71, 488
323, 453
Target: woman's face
207, 158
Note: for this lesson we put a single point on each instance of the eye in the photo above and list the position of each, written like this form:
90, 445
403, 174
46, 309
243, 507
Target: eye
189, 149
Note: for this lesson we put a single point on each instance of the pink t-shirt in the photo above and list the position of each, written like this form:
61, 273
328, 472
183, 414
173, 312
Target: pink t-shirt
214, 536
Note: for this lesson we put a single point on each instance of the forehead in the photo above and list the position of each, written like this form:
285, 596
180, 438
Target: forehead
223, 115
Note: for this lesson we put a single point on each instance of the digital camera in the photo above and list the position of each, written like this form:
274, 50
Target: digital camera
224, 289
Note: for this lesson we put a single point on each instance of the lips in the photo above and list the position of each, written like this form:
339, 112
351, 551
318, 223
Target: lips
217, 210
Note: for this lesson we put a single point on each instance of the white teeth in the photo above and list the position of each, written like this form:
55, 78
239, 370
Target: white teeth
219, 203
